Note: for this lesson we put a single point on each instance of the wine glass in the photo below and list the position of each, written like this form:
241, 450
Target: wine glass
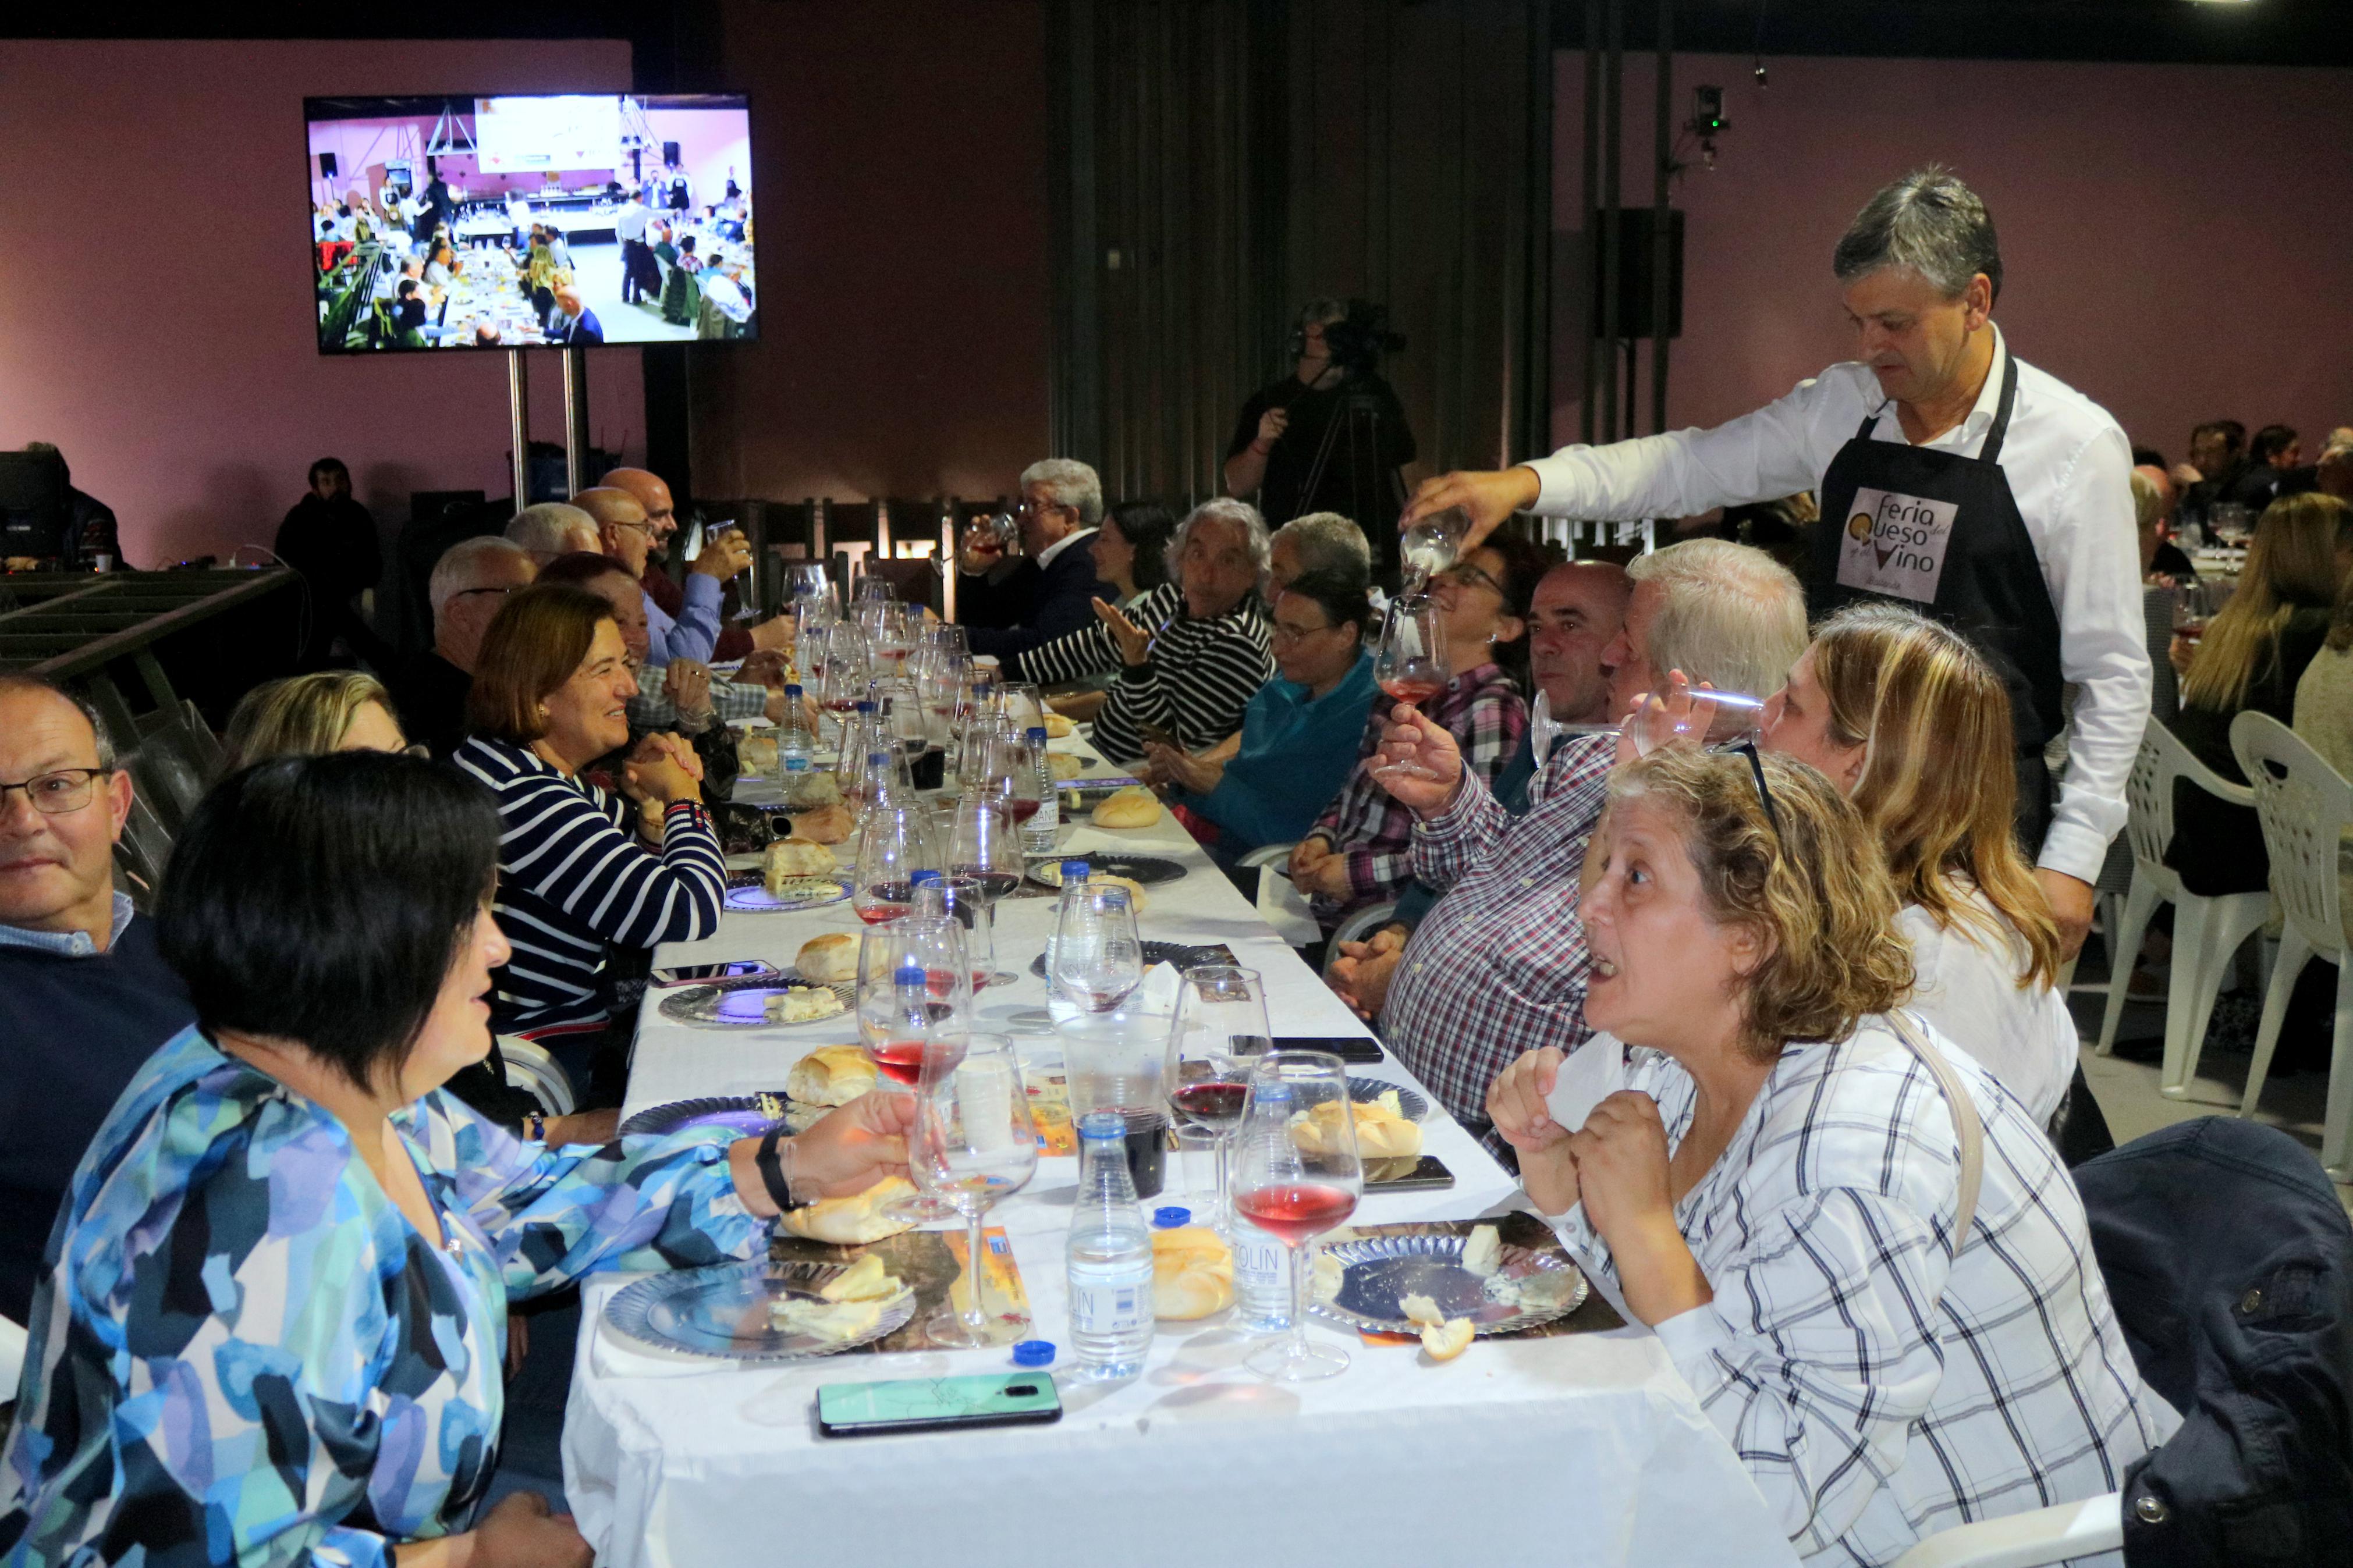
1412, 664
1295, 1184
873, 588
1009, 772
1097, 957
1018, 701
1429, 547
894, 843
810, 586
984, 851
847, 669
1220, 1027
974, 1145
914, 1004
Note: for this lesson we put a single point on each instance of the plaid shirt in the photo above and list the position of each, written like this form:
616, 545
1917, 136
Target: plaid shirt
1485, 714
730, 700
1878, 1386
1499, 967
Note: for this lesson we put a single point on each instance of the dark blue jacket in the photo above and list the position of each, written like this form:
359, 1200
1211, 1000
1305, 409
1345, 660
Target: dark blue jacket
2230, 1261
1028, 606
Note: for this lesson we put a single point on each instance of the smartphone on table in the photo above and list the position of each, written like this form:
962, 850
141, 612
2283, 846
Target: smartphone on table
937, 1404
1359, 1049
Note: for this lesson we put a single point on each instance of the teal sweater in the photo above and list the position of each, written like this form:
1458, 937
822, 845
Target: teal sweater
1295, 754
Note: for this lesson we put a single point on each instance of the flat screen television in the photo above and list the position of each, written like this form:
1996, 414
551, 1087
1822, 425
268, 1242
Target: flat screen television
529, 221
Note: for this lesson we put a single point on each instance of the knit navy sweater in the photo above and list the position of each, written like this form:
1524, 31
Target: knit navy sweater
72, 1031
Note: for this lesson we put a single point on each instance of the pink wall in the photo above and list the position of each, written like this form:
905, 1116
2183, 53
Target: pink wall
177, 367
2177, 240
709, 141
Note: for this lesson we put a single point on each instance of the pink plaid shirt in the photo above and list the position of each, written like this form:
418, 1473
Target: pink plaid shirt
1374, 834
1499, 967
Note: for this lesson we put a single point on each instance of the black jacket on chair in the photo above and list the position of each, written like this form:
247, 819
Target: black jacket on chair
1030, 607
2230, 1261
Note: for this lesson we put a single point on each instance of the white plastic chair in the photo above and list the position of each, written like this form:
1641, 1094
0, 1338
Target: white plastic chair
531, 1069
2305, 806
2046, 1535
2207, 931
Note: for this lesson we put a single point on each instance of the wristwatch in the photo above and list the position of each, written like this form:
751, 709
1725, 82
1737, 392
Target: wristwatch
770, 1164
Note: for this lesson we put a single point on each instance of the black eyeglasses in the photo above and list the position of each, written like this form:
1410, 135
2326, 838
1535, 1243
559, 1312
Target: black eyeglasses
57, 792
1756, 771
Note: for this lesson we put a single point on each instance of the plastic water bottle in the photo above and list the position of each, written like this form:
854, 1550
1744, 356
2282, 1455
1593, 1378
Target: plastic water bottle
796, 748
1261, 1288
1037, 833
1109, 1256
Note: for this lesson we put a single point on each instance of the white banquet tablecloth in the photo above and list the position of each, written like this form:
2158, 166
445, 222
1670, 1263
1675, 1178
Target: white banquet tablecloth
1584, 1448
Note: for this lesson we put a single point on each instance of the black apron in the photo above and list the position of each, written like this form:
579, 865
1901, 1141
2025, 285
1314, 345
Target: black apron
1941, 533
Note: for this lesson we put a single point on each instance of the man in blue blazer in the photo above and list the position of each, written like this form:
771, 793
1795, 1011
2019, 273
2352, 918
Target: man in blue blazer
575, 322
1013, 606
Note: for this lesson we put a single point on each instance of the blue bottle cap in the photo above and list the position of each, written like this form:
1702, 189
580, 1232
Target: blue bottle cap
865, 705
1035, 732
1169, 1218
873, 757
910, 973
1034, 1353
925, 879
1076, 870
791, 690
1103, 1124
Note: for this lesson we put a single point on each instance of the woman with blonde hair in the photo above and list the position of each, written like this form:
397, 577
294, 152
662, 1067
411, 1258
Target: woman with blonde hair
2254, 653
1912, 724
1864, 1257
333, 711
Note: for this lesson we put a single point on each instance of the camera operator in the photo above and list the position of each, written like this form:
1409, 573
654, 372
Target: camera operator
1330, 436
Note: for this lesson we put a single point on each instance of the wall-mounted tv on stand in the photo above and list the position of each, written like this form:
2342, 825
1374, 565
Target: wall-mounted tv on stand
555, 220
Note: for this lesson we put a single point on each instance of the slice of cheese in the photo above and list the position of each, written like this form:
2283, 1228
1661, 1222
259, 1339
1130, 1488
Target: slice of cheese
1330, 1274
831, 1321
1446, 1340
1483, 1254
865, 1280
1420, 1309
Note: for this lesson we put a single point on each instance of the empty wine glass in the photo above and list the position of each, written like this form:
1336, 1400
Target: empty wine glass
1412, 664
1018, 701
887, 632
1220, 1029
873, 588
893, 843
847, 670
1296, 1182
984, 851
974, 1145
1098, 958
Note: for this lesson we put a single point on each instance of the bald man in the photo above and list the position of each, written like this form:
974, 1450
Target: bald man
573, 323
661, 589
626, 535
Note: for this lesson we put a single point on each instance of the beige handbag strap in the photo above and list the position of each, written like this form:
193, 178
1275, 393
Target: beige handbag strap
1964, 1123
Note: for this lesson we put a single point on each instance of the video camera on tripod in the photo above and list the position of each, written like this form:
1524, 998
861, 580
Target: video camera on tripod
1357, 340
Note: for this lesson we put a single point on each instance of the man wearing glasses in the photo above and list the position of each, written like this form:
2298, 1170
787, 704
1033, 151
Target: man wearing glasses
469, 587
85, 997
1013, 606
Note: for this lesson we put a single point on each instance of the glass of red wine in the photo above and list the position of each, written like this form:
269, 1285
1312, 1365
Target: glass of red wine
1295, 1180
914, 1012
974, 1145
1009, 774
984, 865
893, 843
1412, 664
1220, 1032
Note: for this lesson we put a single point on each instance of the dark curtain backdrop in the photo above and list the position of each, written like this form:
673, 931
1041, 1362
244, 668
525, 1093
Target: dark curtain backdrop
1216, 162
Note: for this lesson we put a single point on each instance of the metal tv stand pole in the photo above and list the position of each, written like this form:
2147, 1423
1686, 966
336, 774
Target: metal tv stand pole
519, 423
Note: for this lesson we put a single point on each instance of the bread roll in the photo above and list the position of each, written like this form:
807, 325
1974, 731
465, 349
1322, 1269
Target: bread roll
1063, 765
1134, 806
788, 858
1446, 1340
830, 959
852, 1221
757, 753
1136, 899
1381, 1133
1059, 725
1192, 1273
831, 1075
826, 825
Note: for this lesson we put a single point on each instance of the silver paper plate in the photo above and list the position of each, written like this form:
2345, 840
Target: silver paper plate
737, 1113
723, 1311
745, 1005
752, 897
1410, 1104
1379, 1271
1143, 870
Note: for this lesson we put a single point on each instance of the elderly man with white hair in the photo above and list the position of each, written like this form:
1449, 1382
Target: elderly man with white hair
1189, 679
1012, 606
1499, 967
550, 529
1955, 479
469, 587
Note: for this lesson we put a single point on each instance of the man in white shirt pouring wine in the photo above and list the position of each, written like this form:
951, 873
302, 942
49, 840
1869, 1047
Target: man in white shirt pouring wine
1953, 477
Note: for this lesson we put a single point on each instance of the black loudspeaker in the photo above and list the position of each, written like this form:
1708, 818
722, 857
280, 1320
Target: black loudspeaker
326, 165
670, 153
1634, 231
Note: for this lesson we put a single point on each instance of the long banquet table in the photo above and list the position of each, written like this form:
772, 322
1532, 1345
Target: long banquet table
1580, 1448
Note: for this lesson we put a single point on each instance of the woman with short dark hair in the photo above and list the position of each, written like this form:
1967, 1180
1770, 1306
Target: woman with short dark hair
273, 1331
551, 695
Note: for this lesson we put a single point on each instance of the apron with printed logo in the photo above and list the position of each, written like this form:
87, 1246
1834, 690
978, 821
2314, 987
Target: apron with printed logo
1942, 534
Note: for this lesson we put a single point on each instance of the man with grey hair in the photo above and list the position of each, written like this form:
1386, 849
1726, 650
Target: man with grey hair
1954, 478
470, 585
553, 528
1012, 606
1320, 541
1187, 680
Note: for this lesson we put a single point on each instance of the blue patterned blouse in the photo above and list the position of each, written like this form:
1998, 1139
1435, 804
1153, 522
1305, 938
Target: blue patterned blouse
245, 1354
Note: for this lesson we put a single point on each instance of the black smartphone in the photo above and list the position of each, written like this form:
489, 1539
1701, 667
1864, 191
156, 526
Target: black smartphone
1360, 1049
937, 1404
698, 974
1406, 1175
